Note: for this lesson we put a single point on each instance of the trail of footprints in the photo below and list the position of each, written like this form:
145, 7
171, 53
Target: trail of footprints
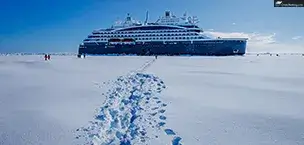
131, 112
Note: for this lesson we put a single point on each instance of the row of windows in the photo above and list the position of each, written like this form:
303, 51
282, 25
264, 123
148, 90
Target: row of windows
173, 34
150, 28
168, 38
151, 31
152, 38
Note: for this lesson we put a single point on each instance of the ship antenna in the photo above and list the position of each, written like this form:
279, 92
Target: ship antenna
147, 15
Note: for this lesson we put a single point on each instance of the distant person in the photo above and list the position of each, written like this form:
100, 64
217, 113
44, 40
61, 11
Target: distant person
84, 55
49, 57
155, 56
45, 57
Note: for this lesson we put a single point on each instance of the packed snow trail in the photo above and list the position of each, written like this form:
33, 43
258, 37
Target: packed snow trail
133, 112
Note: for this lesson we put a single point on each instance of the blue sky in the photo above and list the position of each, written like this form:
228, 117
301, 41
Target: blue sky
59, 26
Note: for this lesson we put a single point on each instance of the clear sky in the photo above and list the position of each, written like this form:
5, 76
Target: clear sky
60, 26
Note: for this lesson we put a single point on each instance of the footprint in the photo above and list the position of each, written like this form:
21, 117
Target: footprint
169, 132
162, 117
154, 108
162, 111
155, 98
176, 140
161, 124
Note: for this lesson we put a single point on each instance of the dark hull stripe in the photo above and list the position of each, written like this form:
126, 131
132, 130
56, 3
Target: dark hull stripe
228, 47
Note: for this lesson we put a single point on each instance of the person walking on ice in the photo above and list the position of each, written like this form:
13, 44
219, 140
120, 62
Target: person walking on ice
45, 57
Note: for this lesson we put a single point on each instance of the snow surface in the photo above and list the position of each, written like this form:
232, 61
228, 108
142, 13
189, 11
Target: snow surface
252, 100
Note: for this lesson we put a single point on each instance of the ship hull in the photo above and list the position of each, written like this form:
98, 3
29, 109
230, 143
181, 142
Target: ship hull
214, 47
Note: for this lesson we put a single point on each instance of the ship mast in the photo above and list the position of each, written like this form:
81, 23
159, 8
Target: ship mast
147, 16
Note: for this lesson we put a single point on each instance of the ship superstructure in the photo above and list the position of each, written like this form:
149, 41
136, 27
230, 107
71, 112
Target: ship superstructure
169, 35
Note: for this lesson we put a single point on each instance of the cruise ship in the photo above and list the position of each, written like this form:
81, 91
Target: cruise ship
169, 35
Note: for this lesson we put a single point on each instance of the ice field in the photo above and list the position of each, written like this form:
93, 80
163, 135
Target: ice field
236, 100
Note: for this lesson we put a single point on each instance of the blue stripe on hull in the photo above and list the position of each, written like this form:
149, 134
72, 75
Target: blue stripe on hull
217, 47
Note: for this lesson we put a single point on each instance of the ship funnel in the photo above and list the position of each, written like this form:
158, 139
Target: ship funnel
128, 17
167, 13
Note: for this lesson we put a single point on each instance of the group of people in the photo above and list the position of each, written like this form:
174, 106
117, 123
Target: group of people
47, 57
